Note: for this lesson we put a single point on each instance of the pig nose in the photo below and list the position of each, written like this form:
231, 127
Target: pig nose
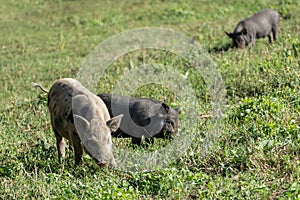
101, 163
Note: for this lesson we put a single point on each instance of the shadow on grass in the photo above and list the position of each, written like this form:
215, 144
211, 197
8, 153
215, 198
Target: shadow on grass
39, 159
223, 48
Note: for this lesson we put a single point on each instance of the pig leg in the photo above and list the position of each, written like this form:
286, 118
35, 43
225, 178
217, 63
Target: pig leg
75, 140
270, 36
274, 31
60, 145
71, 148
136, 141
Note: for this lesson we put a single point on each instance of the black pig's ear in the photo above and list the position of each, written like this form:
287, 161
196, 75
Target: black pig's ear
229, 34
166, 107
178, 109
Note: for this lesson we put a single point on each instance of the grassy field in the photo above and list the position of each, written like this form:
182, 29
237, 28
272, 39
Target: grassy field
257, 153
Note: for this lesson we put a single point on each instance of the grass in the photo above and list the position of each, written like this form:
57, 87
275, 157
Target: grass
257, 152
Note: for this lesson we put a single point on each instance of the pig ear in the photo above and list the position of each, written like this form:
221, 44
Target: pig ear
229, 34
81, 124
166, 107
114, 123
178, 109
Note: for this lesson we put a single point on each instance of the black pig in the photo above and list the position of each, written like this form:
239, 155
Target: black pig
262, 24
143, 117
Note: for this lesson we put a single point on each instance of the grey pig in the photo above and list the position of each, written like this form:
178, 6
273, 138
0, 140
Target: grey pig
262, 24
82, 118
143, 117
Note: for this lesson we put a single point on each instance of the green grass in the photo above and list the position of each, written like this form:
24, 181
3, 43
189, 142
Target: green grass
257, 153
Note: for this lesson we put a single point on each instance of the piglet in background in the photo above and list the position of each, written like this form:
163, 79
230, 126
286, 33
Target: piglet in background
262, 24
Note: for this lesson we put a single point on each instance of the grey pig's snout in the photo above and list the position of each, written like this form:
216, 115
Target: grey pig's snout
101, 163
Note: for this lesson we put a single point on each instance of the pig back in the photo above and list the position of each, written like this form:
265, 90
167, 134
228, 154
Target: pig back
261, 23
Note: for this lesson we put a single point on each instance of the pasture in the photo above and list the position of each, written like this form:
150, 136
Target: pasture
257, 152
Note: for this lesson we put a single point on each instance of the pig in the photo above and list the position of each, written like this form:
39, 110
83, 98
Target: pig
143, 117
81, 117
262, 24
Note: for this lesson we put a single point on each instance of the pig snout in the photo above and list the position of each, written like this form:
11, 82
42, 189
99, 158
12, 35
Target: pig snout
101, 163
